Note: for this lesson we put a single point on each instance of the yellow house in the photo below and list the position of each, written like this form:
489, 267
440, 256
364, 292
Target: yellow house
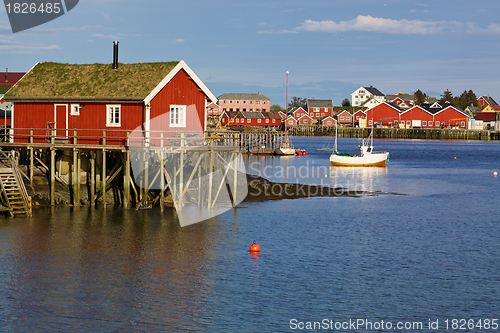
492, 108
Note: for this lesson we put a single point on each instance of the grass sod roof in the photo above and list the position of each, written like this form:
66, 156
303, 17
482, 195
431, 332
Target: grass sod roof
51, 80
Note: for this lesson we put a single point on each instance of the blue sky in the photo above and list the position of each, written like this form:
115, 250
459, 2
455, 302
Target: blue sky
330, 47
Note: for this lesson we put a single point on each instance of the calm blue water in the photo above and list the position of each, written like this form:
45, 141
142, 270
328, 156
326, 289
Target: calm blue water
430, 254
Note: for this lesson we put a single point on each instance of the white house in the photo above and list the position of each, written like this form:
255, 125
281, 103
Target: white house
363, 94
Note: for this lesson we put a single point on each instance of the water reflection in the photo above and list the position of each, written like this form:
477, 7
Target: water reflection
316, 170
359, 178
110, 265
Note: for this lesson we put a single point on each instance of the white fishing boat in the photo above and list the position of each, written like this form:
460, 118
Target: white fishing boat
366, 158
285, 148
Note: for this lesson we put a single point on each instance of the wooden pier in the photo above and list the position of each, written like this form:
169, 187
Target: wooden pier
397, 133
136, 171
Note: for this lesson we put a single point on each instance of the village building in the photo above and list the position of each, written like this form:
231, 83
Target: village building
362, 94
484, 101
435, 115
384, 114
358, 115
297, 112
213, 110
164, 96
244, 102
7, 81
291, 121
491, 108
328, 121
319, 108
305, 120
247, 118
344, 118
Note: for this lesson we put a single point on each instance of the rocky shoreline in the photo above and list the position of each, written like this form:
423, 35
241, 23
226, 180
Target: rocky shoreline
259, 190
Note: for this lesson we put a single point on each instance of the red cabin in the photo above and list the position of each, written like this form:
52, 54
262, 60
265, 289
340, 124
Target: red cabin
383, 113
105, 105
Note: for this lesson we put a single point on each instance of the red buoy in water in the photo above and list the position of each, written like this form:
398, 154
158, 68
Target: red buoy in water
299, 152
304, 153
254, 247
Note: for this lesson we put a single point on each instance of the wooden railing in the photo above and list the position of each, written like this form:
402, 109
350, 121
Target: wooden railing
117, 138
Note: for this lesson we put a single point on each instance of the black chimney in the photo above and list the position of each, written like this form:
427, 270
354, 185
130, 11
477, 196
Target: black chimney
115, 54
6, 73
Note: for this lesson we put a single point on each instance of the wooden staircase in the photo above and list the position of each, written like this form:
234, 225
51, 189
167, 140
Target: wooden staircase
14, 194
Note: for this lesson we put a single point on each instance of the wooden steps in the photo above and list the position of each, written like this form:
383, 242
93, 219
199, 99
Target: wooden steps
14, 194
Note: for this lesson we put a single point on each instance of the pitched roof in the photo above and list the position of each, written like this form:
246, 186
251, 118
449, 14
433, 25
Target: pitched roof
488, 100
319, 103
244, 96
10, 77
403, 97
130, 82
373, 91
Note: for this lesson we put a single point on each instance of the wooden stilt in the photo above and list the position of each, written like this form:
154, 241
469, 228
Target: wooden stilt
126, 180
103, 180
92, 178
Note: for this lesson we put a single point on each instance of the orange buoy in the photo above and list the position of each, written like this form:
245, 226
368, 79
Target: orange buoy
299, 152
455, 158
305, 153
254, 247
495, 174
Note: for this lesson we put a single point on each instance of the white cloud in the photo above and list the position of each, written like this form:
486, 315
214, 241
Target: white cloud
277, 32
493, 28
180, 40
27, 48
383, 25
106, 16
107, 36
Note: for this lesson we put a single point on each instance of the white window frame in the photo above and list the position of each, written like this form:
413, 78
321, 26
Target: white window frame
181, 121
424, 123
438, 123
75, 110
249, 120
430, 123
110, 118
259, 120
408, 123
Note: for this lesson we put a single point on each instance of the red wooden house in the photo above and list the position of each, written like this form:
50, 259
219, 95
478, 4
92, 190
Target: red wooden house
291, 122
91, 98
484, 101
344, 118
319, 108
358, 115
328, 121
213, 110
382, 114
297, 112
250, 118
305, 120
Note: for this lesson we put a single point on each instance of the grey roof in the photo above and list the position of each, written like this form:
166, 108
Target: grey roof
404, 97
244, 96
489, 100
373, 91
319, 103
438, 106
252, 114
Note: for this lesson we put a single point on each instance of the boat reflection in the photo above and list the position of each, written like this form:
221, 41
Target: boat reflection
359, 178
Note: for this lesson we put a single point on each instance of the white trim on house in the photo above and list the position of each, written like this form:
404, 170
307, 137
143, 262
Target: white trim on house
110, 121
181, 118
170, 76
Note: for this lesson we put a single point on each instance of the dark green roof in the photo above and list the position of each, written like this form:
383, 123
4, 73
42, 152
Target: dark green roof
51, 80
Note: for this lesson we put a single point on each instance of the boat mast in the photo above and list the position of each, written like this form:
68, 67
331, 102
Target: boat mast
286, 108
335, 148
